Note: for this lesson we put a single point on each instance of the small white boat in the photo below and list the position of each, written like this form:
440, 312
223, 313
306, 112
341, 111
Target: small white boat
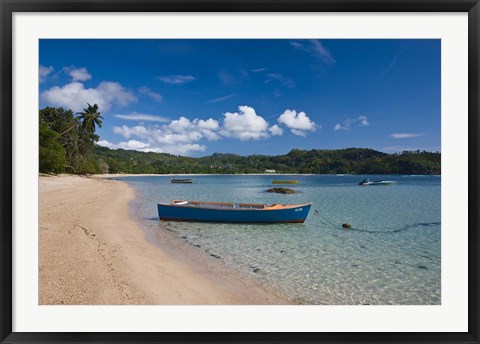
367, 182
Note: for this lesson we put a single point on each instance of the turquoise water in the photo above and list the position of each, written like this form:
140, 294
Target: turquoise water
391, 255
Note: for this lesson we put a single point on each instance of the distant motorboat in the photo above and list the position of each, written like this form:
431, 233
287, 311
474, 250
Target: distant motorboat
179, 210
182, 180
284, 181
367, 182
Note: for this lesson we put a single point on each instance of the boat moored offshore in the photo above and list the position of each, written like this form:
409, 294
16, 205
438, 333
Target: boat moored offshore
367, 182
284, 181
182, 180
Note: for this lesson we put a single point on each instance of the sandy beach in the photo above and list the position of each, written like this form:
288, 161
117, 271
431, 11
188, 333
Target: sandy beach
91, 252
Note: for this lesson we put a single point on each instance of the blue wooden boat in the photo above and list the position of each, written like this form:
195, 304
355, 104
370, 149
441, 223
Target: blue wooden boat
232, 212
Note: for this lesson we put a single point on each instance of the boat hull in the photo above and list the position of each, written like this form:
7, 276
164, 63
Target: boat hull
181, 181
172, 212
382, 183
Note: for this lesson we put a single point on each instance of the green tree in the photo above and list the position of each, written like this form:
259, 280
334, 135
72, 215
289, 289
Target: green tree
76, 135
51, 152
63, 122
90, 117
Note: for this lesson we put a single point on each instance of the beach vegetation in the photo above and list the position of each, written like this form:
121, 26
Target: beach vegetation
63, 134
51, 153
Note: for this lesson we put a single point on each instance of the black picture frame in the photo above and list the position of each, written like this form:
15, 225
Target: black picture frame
9, 7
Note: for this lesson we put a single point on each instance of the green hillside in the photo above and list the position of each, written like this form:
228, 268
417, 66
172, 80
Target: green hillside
351, 160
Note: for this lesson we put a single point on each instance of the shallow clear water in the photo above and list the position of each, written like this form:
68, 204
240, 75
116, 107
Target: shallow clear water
391, 255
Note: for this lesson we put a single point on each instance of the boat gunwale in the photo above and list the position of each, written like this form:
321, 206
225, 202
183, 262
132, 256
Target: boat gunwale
231, 206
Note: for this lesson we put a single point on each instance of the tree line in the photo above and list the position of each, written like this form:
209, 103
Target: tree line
67, 140
68, 144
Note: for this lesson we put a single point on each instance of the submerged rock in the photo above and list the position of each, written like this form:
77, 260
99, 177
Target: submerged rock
282, 190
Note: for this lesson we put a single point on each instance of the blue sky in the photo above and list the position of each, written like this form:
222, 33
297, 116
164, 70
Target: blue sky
255, 96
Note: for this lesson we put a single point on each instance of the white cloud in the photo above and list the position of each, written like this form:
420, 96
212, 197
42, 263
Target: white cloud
298, 132
75, 96
362, 121
209, 124
179, 138
297, 45
298, 123
149, 93
132, 144
389, 67
245, 125
405, 135
43, 72
221, 99
275, 130
182, 136
177, 79
315, 48
77, 74
116, 93
338, 126
127, 132
181, 125
141, 117
105, 143
208, 128
321, 51
185, 149
257, 70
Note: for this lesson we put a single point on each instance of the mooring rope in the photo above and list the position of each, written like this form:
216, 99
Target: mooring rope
346, 226
324, 218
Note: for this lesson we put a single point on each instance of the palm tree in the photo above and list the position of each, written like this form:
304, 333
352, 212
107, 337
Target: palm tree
90, 117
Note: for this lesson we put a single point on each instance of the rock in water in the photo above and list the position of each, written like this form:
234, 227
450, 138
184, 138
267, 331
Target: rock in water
282, 190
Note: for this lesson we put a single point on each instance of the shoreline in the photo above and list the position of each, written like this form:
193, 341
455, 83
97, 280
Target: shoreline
110, 175
120, 175
91, 251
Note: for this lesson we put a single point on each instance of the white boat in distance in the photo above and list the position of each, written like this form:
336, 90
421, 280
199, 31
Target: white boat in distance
367, 182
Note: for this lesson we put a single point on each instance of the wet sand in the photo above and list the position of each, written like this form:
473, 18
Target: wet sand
92, 252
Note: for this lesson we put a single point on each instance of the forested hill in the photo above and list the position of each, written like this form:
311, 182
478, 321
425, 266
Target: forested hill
351, 160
